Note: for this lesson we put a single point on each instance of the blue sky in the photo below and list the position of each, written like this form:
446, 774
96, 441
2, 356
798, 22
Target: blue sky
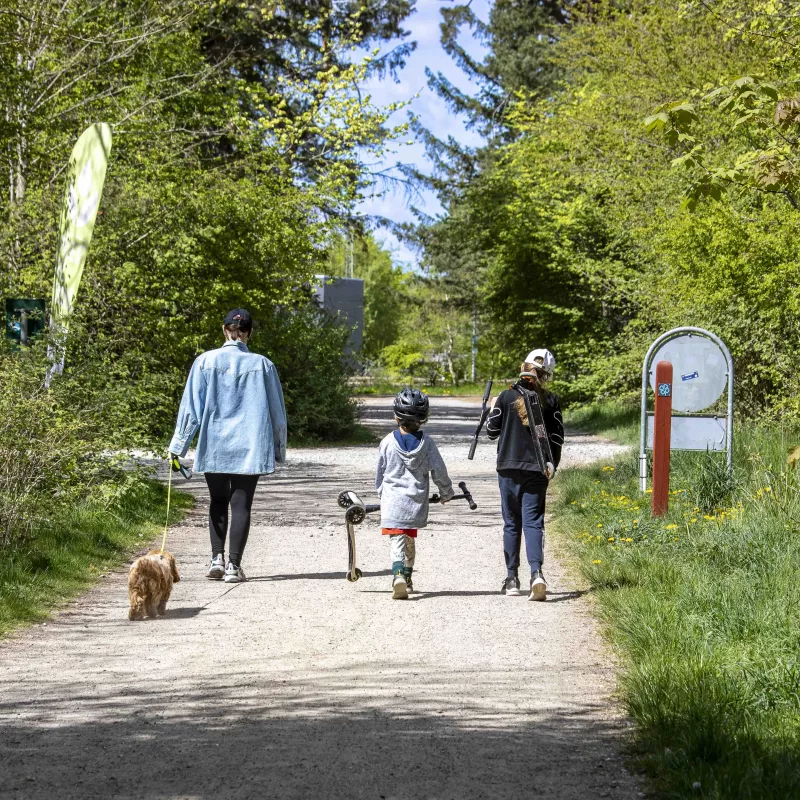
424, 27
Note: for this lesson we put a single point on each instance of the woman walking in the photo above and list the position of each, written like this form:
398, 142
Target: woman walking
234, 399
523, 485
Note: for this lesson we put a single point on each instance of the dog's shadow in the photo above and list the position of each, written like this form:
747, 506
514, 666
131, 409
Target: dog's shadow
183, 613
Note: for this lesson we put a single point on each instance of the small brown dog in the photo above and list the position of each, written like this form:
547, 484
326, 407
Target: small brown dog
150, 584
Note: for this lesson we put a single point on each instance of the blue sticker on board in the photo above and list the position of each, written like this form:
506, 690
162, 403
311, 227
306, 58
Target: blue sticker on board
664, 389
690, 376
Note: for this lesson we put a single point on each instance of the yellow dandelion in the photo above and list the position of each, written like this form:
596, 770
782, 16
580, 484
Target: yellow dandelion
610, 538
599, 524
693, 520
670, 527
597, 561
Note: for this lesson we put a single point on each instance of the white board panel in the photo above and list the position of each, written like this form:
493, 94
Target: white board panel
699, 371
694, 433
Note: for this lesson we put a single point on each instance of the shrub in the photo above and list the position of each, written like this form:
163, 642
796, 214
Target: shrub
57, 444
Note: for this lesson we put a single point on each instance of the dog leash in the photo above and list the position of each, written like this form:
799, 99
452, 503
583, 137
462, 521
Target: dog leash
169, 497
174, 466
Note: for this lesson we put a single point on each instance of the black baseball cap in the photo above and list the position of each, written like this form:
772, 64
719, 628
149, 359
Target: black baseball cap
240, 317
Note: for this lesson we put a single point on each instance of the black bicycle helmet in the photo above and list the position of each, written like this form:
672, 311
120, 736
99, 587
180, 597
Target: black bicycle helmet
411, 405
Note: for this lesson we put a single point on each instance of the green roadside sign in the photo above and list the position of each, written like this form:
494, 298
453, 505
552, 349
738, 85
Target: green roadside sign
24, 318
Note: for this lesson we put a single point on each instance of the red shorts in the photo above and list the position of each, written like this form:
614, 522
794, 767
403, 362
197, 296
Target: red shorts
412, 532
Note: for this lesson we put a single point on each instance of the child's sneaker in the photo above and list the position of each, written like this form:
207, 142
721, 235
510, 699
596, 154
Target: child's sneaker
538, 586
399, 588
216, 569
234, 573
510, 587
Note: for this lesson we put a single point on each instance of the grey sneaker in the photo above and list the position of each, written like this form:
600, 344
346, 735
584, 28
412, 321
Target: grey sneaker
510, 587
409, 584
538, 586
399, 588
234, 573
216, 569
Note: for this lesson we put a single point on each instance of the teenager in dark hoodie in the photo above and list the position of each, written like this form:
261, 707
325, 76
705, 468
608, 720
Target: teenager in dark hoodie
523, 486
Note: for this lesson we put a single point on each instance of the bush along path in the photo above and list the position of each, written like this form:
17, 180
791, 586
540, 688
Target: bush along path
299, 684
72, 547
702, 609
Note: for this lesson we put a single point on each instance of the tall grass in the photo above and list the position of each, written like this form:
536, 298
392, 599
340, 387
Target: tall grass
703, 607
67, 555
618, 421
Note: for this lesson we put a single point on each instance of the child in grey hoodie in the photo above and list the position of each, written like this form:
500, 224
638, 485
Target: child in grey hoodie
406, 459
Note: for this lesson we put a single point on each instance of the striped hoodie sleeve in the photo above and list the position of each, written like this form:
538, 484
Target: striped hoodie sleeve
494, 422
556, 431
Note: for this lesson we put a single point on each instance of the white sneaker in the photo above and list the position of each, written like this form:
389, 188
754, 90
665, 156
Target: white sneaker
538, 586
216, 569
399, 588
234, 574
510, 587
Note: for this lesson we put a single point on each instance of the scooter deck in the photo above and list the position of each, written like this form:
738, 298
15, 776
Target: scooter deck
348, 500
353, 572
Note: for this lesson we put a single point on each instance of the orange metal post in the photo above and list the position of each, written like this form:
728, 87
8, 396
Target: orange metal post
662, 430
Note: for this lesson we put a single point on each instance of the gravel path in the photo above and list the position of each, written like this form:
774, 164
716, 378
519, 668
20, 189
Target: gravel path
298, 684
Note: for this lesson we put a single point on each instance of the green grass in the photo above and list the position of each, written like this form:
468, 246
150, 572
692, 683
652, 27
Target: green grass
67, 556
618, 421
360, 435
702, 607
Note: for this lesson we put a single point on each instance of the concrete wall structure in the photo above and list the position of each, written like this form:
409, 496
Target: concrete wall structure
343, 298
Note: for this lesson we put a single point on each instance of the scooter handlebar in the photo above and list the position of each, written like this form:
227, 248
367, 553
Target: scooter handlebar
465, 495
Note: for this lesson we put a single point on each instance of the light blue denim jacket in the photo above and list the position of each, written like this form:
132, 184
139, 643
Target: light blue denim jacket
234, 398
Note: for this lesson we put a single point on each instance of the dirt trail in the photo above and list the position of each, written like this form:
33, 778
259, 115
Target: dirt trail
298, 684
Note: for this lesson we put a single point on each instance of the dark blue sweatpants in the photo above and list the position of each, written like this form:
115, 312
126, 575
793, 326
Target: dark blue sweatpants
522, 496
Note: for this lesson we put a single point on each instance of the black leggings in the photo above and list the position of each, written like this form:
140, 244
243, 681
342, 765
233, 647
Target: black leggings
236, 491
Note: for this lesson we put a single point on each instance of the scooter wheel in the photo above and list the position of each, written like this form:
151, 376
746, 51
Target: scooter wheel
355, 515
344, 500
352, 579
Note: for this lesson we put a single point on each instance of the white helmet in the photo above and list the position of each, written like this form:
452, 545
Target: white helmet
543, 359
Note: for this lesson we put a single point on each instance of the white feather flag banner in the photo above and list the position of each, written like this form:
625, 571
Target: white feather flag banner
85, 178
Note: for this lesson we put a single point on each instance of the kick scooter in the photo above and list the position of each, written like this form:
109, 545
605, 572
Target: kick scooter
356, 512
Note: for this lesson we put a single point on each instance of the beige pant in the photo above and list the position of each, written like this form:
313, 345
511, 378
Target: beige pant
403, 549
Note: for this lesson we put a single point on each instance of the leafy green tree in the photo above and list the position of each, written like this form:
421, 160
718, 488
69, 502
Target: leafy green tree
756, 114
223, 183
571, 233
